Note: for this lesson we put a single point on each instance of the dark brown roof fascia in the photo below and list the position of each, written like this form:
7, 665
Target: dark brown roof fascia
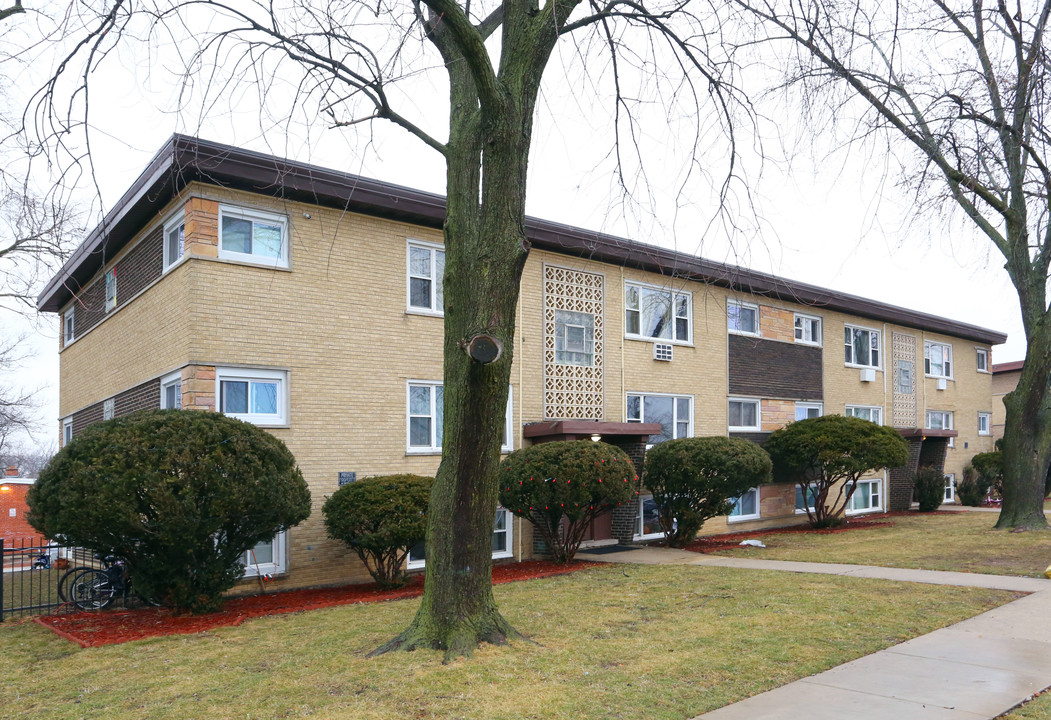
185, 159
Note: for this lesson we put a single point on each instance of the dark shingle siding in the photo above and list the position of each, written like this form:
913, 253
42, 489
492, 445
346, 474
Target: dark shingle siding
773, 369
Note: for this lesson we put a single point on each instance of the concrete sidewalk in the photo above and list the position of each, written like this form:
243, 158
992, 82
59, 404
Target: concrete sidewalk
977, 669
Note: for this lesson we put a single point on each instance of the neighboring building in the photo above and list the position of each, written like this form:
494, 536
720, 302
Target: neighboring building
1005, 379
13, 508
309, 301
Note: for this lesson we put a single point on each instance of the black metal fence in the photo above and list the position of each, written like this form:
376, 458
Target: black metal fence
31, 573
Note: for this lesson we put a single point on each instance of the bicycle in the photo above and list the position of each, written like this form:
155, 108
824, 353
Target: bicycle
95, 588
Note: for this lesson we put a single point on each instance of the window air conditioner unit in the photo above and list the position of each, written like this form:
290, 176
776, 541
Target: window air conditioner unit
940, 384
868, 375
662, 352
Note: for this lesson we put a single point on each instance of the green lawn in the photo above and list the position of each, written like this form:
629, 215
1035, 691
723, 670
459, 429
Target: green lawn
612, 642
1038, 709
963, 541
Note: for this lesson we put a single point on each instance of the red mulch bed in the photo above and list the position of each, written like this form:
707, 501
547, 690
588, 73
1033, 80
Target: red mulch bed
715, 543
89, 629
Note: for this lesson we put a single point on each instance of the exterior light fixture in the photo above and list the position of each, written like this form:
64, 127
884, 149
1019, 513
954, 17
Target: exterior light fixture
595, 437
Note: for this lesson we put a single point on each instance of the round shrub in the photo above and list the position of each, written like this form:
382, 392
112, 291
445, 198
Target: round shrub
180, 495
970, 491
830, 454
561, 487
928, 487
380, 518
695, 479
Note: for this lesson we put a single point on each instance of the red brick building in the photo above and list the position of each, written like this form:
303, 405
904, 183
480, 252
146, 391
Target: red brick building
13, 508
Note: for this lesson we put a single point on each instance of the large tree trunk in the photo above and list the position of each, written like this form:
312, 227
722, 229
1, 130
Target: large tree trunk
1027, 438
486, 250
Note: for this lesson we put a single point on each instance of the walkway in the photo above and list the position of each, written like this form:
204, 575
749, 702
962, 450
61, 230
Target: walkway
975, 670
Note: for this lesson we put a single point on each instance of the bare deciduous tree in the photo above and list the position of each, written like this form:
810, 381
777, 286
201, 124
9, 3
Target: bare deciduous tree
966, 85
17, 405
352, 62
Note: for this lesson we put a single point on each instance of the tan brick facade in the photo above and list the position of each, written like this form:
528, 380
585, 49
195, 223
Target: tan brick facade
338, 325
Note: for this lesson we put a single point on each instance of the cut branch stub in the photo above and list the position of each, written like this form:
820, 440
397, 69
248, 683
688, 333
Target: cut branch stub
484, 349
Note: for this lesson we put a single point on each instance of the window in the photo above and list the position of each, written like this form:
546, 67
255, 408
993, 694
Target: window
68, 327
171, 391
673, 412
67, 430
267, 557
982, 359
937, 360
255, 396
426, 267
174, 242
808, 410
808, 329
107, 409
904, 377
574, 338
647, 524
111, 289
502, 535
746, 506
867, 496
426, 418
984, 419
940, 420
656, 313
744, 414
865, 412
811, 493
742, 317
862, 346
950, 487
252, 236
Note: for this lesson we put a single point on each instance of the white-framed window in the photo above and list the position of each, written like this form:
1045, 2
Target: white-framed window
867, 497
425, 418
744, 414
425, 265
810, 491
253, 236
503, 534
940, 420
111, 289
574, 338
872, 413
267, 557
981, 359
742, 318
67, 430
652, 313
174, 240
984, 420
107, 409
805, 410
255, 396
171, 391
673, 412
68, 328
937, 360
950, 487
746, 506
808, 329
647, 522
861, 346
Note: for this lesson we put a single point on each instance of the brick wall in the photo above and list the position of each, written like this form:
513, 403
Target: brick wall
624, 517
146, 396
13, 508
899, 494
769, 368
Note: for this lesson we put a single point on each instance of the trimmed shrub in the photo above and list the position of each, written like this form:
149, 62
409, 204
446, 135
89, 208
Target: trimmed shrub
970, 491
561, 487
990, 469
695, 479
380, 518
831, 453
180, 495
928, 488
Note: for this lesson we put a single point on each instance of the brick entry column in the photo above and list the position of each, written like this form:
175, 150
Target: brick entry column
625, 516
926, 447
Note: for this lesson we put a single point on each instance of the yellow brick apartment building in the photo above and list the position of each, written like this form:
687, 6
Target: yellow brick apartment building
309, 301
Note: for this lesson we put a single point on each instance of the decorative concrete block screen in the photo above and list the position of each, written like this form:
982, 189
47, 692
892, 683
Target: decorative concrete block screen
573, 344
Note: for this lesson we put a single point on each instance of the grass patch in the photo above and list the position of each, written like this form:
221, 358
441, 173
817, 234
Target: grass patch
1037, 709
961, 541
616, 642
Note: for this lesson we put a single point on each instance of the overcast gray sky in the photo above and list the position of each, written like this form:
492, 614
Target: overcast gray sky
833, 220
